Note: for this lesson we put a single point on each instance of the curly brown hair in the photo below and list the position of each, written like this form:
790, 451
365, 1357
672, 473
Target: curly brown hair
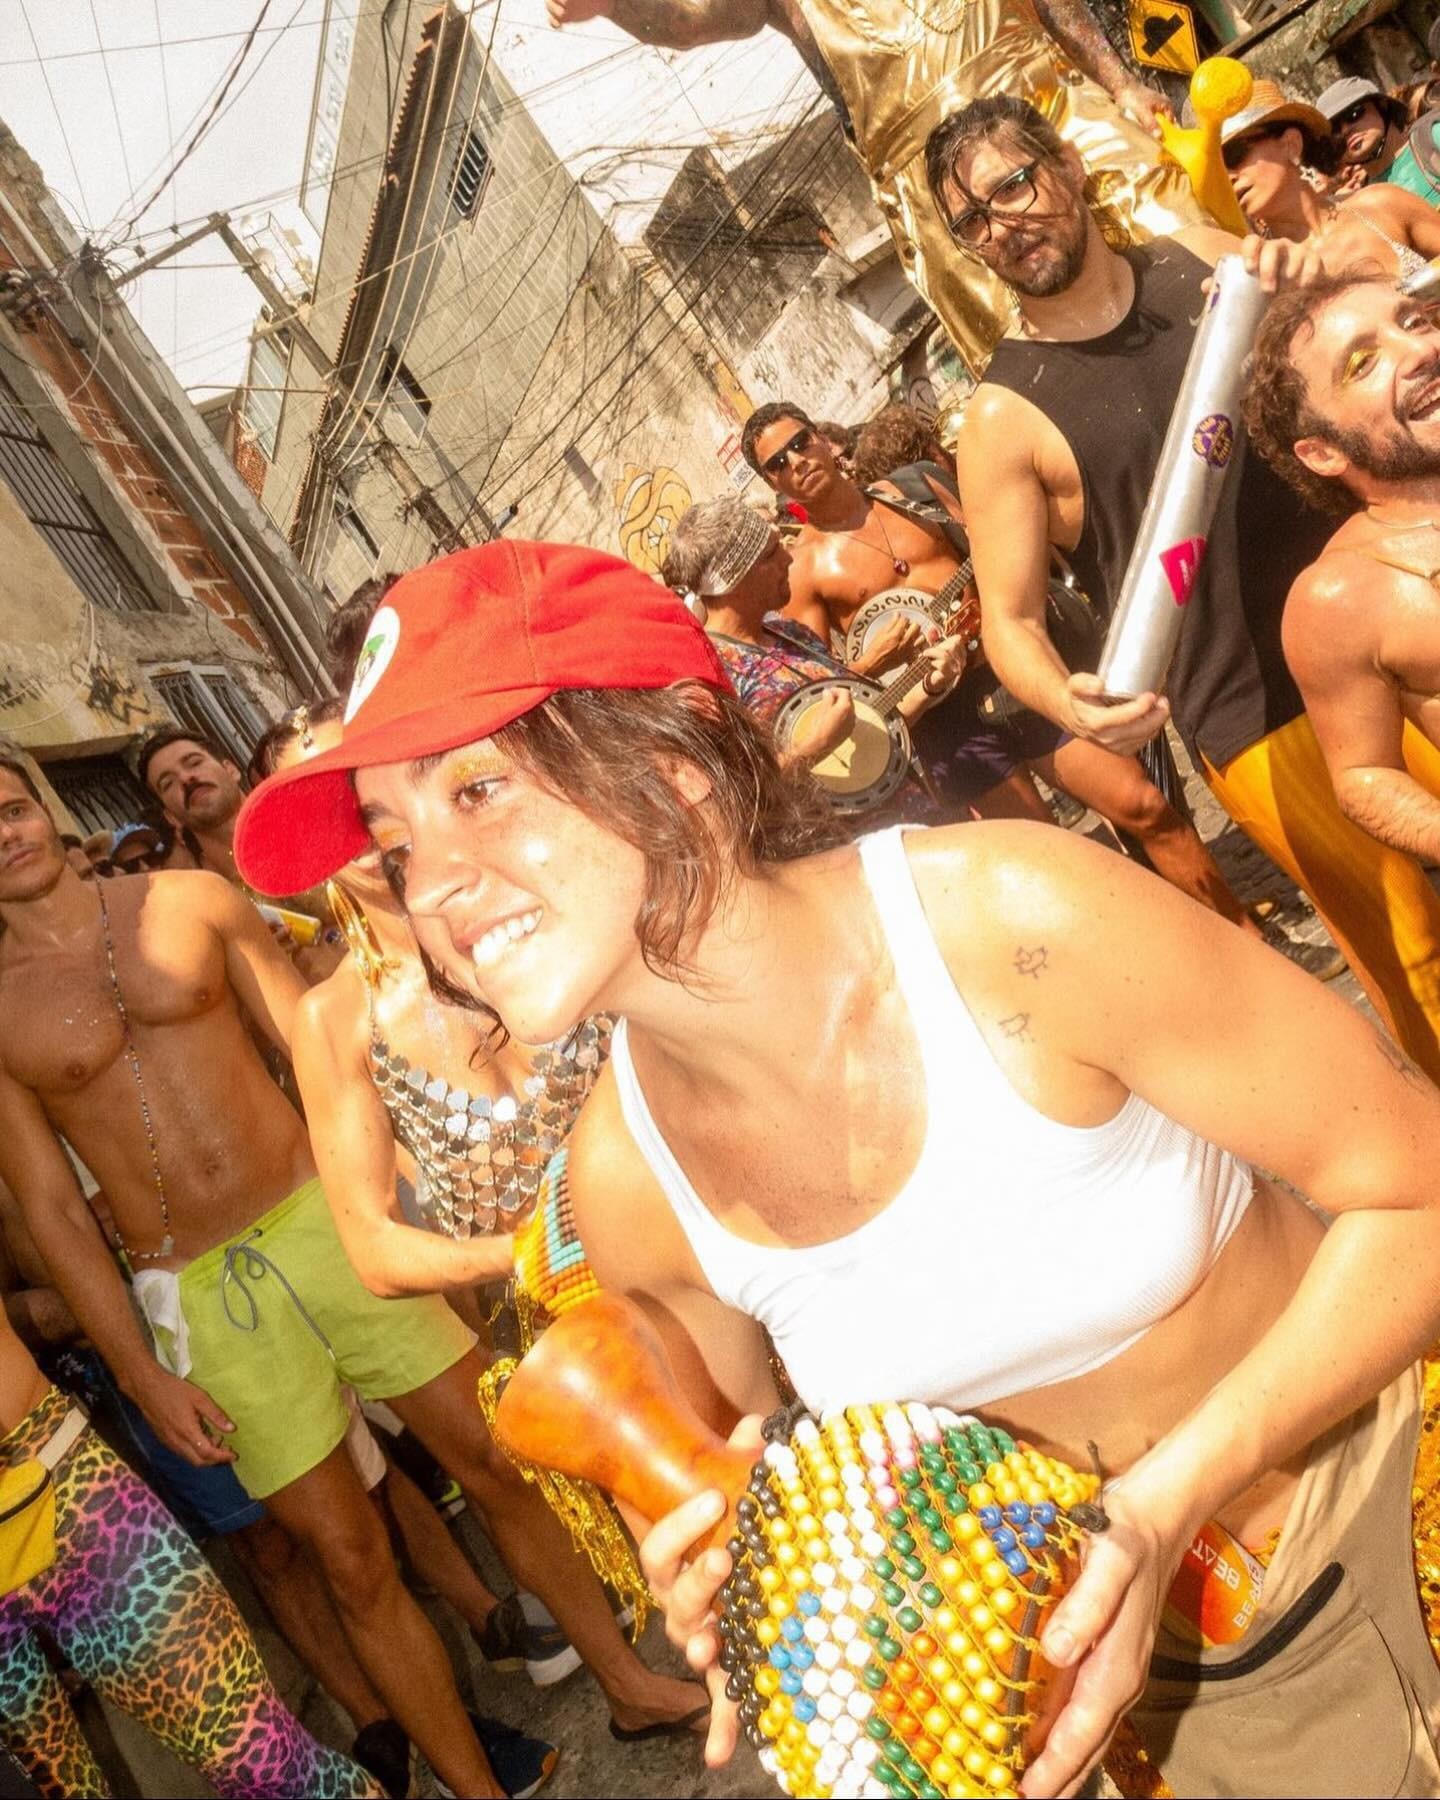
896, 436
1277, 408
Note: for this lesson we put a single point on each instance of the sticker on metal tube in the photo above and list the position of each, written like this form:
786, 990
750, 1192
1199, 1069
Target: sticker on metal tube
1213, 440
1181, 563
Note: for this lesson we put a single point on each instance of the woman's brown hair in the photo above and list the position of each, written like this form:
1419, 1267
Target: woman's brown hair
613, 754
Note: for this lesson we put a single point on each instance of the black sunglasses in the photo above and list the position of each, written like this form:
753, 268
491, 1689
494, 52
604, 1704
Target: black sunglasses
1351, 114
1234, 153
147, 859
802, 440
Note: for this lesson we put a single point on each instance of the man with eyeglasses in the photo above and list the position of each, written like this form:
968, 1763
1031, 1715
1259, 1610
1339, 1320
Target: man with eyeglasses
1060, 446
854, 546
893, 67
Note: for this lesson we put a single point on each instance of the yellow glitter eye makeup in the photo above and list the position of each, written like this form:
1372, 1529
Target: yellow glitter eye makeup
1357, 364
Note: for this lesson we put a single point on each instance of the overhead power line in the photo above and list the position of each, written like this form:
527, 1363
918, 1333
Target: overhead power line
225, 86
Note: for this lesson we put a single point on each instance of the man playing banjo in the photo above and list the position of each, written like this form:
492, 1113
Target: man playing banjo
852, 734
852, 549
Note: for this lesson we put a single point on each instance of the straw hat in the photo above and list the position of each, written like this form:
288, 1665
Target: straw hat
1270, 105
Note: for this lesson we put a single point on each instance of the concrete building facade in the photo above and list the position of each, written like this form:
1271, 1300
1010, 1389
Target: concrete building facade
139, 582
499, 353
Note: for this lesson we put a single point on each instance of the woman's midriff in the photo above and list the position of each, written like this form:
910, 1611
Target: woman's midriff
1128, 1404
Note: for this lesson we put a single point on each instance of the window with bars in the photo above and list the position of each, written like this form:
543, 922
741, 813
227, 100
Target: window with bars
212, 703
61, 514
99, 791
472, 166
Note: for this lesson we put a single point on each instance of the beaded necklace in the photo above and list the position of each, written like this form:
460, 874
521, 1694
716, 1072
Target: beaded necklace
167, 1242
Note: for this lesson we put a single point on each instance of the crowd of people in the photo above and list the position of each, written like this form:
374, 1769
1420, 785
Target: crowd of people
594, 883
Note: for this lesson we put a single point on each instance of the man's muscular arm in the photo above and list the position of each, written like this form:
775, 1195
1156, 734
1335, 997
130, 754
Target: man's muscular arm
1333, 636
1007, 506
1075, 29
672, 24
67, 1238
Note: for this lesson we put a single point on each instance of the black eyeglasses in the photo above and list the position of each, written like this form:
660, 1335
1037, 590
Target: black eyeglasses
802, 440
1014, 195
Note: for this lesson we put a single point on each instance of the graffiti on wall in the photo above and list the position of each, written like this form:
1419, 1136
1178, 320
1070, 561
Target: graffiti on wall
58, 677
648, 502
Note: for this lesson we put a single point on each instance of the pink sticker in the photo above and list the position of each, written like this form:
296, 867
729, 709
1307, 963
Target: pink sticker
1181, 563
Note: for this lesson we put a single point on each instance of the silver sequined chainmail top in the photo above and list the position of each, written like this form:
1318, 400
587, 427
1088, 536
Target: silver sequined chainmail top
480, 1160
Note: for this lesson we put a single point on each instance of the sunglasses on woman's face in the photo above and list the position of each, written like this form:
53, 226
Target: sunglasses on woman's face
802, 440
1352, 115
1234, 153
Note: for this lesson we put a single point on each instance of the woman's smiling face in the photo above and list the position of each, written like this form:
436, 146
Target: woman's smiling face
521, 899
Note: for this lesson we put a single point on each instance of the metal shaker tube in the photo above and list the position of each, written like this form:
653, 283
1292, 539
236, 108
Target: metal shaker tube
1194, 464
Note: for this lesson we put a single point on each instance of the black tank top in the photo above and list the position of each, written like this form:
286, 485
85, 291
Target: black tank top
1112, 397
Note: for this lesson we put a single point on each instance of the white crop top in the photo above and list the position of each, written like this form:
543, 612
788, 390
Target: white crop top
1020, 1252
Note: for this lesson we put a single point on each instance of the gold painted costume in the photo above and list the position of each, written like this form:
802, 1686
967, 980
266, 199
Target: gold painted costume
904, 65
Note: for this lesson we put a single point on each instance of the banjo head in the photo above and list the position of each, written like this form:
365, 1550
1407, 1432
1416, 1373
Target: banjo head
910, 602
865, 770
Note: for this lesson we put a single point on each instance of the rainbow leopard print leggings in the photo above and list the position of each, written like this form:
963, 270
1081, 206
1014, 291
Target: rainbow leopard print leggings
137, 1611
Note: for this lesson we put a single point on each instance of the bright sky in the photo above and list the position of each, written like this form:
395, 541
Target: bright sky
104, 127
102, 143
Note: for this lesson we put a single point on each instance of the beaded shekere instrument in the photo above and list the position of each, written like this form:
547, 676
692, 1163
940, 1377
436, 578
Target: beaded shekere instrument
893, 1565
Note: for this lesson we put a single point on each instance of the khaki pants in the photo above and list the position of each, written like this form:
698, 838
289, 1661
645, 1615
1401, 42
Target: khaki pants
1334, 1689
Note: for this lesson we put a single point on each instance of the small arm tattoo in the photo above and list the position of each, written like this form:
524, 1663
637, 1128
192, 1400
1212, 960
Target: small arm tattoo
1031, 962
1018, 1026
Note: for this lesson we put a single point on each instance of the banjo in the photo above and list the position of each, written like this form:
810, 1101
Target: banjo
871, 764
931, 612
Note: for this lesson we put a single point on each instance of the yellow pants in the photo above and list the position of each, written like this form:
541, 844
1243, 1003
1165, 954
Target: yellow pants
1377, 903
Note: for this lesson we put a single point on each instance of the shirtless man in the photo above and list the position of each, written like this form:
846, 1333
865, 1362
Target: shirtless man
581, 817
853, 547
199, 788
1265, 148
197, 1151
1060, 446
212, 1187
1345, 401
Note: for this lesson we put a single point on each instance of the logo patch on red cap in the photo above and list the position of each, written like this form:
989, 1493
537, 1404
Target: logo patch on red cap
375, 655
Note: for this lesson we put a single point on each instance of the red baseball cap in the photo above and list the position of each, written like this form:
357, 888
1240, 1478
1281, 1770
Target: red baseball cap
458, 649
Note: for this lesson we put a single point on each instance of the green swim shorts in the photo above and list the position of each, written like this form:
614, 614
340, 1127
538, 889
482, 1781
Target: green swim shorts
278, 1322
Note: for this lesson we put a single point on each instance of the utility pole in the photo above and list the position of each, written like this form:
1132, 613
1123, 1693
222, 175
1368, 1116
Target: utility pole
419, 499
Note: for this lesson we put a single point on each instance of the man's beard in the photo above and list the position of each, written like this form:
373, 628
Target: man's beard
1394, 459
1054, 276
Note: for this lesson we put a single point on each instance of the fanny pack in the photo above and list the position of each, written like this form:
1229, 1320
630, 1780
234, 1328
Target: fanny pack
27, 1507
